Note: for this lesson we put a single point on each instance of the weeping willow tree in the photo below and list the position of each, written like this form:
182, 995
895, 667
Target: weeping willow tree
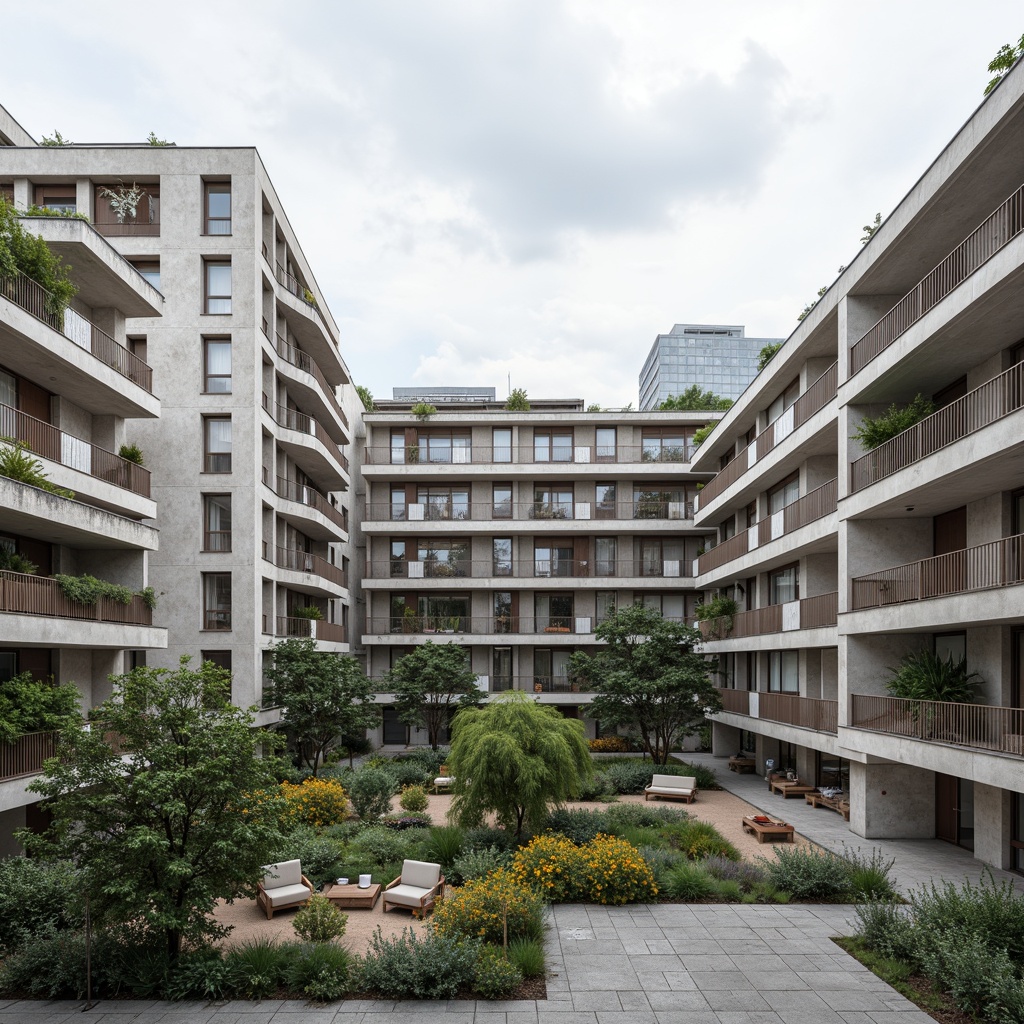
517, 759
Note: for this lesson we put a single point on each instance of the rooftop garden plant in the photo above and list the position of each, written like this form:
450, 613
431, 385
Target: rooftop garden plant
876, 430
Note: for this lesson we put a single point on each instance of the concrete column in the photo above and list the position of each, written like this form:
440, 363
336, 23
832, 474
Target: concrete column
84, 197
892, 801
992, 822
725, 739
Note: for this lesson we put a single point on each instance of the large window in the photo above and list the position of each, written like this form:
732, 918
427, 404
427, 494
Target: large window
440, 613
606, 601
501, 444
216, 600
604, 556
216, 522
552, 446
398, 503
217, 286
604, 500
398, 559
784, 671
222, 659
503, 613
217, 365
553, 613
552, 558
441, 557
445, 447
218, 207
667, 445
502, 556
659, 501
784, 585
784, 401
58, 197
551, 671
444, 503
783, 494
671, 606
149, 269
605, 449
501, 501
501, 669
661, 556
552, 502
217, 444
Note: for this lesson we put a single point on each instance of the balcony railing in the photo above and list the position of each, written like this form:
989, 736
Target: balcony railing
38, 302
50, 442
814, 399
985, 241
994, 400
292, 284
292, 419
305, 561
307, 495
486, 511
962, 725
145, 222
301, 361
41, 596
787, 708
423, 454
535, 568
985, 567
812, 506
807, 613
547, 625
25, 756
318, 629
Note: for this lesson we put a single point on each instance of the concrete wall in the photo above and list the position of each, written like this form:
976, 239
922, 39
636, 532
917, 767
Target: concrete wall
891, 801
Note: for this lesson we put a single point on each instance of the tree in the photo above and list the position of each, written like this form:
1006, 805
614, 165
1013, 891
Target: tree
366, 397
325, 697
649, 678
31, 705
162, 805
431, 684
516, 758
1006, 56
764, 357
517, 401
693, 399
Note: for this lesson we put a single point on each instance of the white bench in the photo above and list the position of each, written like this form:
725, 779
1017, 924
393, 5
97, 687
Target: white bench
672, 787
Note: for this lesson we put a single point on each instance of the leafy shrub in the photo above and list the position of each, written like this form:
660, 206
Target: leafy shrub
86, 589
404, 966
323, 972
700, 839
484, 837
553, 865
484, 907
371, 790
870, 874
876, 430
645, 815
924, 675
17, 464
320, 855
632, 775
497, 976
49, 964
689, 882
413, 799
401, 822
581, 826
609, 745
478, 864
660, 861
409, 773
748, 876
445, 845
729, 891
379, 844
201, 974
316, 802
806, 873
597, 787
131, 453
886, 928
962, 962
260, 966
528, 956
34, 895
319, 920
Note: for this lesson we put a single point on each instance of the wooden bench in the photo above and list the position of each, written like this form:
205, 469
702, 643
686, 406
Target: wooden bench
788, 789
742, 765
839, 804
769, 829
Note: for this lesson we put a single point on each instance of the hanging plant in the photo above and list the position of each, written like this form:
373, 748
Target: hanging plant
124, 201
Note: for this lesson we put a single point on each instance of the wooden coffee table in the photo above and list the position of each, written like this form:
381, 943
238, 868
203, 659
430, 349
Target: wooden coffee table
351, 897
769, 830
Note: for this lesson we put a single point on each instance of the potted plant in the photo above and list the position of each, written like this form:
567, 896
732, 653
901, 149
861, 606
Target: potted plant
717, 616
124, 201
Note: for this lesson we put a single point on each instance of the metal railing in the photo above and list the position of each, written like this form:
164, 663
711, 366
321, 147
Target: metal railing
38, 302
994, 400
50, 442
999, 228
816, 612
549, 625
292, 284
524, 568
302, 361
999, 563
817, 396
962, 725
306, 562
25, 594
292, 419
25, 756
804, 712
318, 629
422, 454
488, 511
811, 613
306, 494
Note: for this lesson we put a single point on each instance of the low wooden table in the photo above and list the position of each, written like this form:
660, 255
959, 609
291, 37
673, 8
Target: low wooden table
351, 897
788, 789
769, 829
742, 765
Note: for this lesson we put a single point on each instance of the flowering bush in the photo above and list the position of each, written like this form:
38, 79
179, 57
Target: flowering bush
610, 745
316, 802
413, 799
480, 908
605, 870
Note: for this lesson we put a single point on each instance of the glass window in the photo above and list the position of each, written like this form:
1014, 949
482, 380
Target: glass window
445, 448
218, 286
217, 444
553, 613
58, 197
216, 522
442, 504
501, 501
8, 395
552, 559
784, 494
8, 665
149, 269
951, 645
222, 659
216, 600
551, 446
606, 603
398, 564
551, 671
218, 208
784, 401
604, 556
784, 585
443, 557
217, 359
501, 443
502, 556
784, 671
503, 622
604, 496
440, 612
501, 669
398, 504
605, 437
656, 551
669, 445
552, 503
398, 448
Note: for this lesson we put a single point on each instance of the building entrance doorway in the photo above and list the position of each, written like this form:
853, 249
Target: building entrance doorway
395, 733
954, 810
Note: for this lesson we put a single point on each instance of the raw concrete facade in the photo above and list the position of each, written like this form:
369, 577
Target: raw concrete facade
842, 561
513, 534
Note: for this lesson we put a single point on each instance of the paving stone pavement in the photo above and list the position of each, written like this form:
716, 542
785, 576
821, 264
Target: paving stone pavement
658, 964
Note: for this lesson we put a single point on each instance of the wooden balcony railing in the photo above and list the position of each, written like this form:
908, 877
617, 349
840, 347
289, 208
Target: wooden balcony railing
302, 361
735, 701
985, 567
292, 419
815, 398
961, 725
41, 596
814, 505
423, 454
307, 495
488, 511
25, 756
1000, 227
994, 400
50, 442
805, 712
318, 629
38, 302
807, 613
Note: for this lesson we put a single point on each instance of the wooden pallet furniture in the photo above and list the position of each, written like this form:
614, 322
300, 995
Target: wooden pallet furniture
839, 804
768, 830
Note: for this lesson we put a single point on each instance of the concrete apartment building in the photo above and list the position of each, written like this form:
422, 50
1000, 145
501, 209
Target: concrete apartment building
515, 533
249, 457
843, 561
73, 391
718, 357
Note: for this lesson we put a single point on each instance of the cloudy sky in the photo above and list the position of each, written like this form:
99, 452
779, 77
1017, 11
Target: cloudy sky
534, 189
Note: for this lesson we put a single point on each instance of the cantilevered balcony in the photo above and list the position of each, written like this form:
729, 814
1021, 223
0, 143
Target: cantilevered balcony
424, 455
317, 629
309, 445
999, 228
813, 400
310, 377
467, 571
807, 613
977, 726
549, 514
307, 508
786, 708
329, 578
25, 756
42, 596
550, 627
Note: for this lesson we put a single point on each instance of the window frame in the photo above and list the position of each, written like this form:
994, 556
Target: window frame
216, 188
208, 455
793, 567
207, 532
207, 375
210, 297
213, 615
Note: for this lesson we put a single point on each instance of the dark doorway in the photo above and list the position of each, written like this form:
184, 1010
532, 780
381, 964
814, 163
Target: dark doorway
395, 731
954, 810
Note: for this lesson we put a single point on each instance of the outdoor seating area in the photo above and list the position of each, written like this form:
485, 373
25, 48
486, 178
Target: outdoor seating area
417, 888
742, 765
672, 787
834, 799
767, 828
283, 885
787, 786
